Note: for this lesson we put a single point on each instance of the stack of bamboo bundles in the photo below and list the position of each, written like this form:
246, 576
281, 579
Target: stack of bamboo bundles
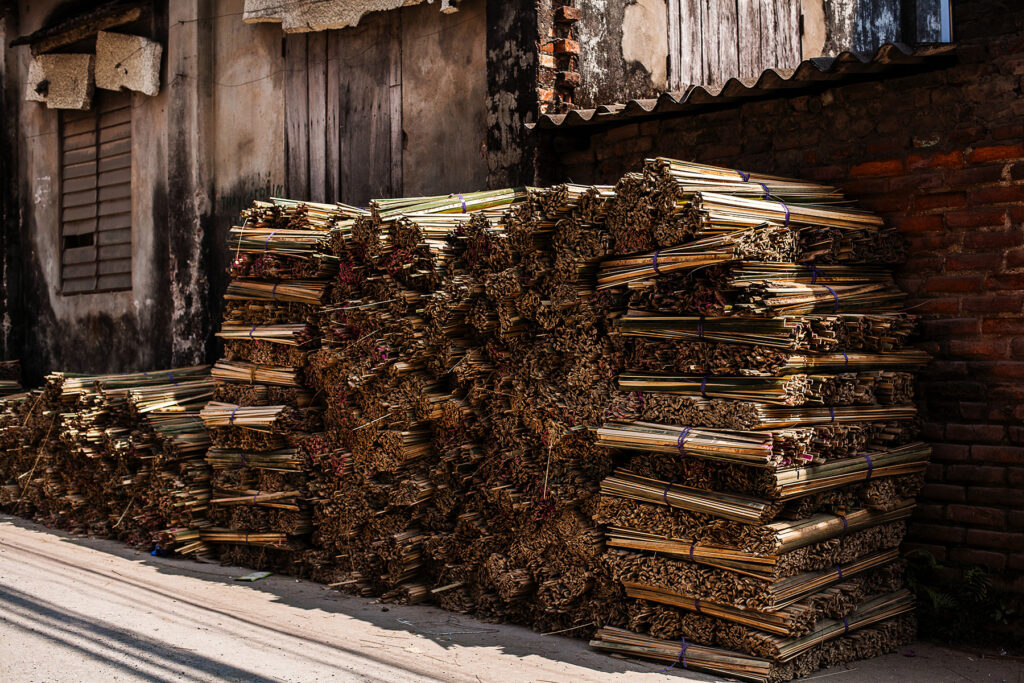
766, 422
96, 464
263, 408
680, 405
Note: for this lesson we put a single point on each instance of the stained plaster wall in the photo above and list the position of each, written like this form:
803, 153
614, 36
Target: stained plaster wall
200, 149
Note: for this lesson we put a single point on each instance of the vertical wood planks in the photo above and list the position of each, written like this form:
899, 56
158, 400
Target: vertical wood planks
333, 121
675, 54
316, 62
691, 61
296, 117
395, 104
748, 38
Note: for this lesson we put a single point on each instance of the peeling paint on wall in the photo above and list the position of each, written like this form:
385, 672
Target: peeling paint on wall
645, 38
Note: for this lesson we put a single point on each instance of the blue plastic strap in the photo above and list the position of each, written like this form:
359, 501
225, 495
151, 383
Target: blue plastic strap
814, 273
839, 570
745, 176
273, 291
266, 242
252, 330
786, 209
681, 658
696, 604
463, 200
655, 264
767, 194
835, 296
871, 465
231, 418
681, 441
664, 494
846, 359
846, 626
832, 413
700, 328
692, 547
703, 386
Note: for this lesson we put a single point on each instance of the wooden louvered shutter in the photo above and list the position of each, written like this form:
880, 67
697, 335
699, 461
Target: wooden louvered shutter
96, 196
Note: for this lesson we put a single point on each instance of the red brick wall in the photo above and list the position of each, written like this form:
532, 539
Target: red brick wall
941, 154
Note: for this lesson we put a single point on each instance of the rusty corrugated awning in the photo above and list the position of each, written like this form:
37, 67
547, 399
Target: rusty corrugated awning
809, 74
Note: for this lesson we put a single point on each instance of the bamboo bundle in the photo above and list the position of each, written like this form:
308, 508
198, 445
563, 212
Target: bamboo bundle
806, 332
287, 291
236, 371
882, 614
777, 449
841, 389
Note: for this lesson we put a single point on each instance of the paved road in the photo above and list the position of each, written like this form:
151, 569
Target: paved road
74, 609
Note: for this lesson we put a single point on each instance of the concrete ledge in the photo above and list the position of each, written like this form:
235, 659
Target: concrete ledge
127, 62
320, 15
63, 81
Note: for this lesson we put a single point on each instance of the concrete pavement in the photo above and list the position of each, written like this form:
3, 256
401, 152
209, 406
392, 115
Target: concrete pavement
80, 609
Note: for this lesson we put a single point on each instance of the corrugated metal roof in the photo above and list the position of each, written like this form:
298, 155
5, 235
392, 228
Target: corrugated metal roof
771, 83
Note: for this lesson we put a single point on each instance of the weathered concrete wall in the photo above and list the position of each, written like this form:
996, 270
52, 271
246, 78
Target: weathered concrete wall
444, 92
860, 24
247, 141
623, 50
207, 144
512, 67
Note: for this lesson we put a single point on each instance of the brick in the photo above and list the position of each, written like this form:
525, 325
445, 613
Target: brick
986, 558
995, 152
982, 261
1001, 239
569, 79
877, 168
944, 306
1004, 540
1015, 519
976, 218
995, 303
1015, 258
1011, 455
941, 200
951, 327
953, 159
1001, 496
916, 224
548, 48
974, 176
978, 348
567, 14
566, 46
976, 516
1007, 281
960, 283
997, 195
973, 433
975, 474
945, 492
